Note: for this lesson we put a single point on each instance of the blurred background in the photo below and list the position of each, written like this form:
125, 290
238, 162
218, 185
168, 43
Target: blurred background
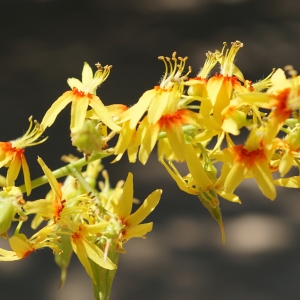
45, 42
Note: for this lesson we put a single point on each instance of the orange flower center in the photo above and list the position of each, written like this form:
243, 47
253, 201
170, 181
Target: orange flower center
282, 112
7, 148
173, 118
158, 88
242, 155
78, 93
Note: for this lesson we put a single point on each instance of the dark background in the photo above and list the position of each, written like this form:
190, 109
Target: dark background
45, 42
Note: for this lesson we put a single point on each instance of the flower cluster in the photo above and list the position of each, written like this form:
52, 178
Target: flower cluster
192, 120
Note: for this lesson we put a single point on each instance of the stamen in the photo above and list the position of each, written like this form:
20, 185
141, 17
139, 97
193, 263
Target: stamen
227, 61
211, 60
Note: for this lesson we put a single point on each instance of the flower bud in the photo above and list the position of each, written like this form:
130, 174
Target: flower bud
89, 138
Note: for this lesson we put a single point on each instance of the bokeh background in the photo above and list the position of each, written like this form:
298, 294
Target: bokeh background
45, 42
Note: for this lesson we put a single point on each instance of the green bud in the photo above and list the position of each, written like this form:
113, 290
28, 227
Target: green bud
89, 138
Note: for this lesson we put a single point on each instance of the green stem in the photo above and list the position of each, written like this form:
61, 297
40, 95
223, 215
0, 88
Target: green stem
86, 186
66, 170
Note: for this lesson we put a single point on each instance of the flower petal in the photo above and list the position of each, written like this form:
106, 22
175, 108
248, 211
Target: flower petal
263, 177
148, 142
87, 74
291, 182
176, 138
158, 106
103, 113
78, 112
74, 82
124, 207
26, 174
138, 231
13, 170
135, 112
51, 178
56, 108
144, 210
196, 168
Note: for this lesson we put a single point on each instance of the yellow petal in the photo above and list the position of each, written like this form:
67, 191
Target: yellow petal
56, 108
148, 142
214, 86
286, 163
235, 177
135, 112
144, 210
87, 74
13, 170
78, 112
74, 82
26, 174
94, 228
103, 113
291, 182
97, 255
196, 169
179, 180
230, 197
51, 178
263, 177
79, 249
138, 231
84, 250
158, 106
41, 207
230, 126
257, 99
19, 244
6, 255
125, 137
176, 139
278, 76
123, 209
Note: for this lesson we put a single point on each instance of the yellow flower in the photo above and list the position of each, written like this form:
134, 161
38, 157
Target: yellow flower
199, 83
74, 217
204, 184
127, 225
162, 99
82, 96
52, 206
281, 98
251, 159
12, 154
171, 124
86, 250
220, 87
22, 246
165, 112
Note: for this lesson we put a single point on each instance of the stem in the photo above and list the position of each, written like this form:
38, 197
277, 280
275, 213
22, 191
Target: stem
86, 186
66, 170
